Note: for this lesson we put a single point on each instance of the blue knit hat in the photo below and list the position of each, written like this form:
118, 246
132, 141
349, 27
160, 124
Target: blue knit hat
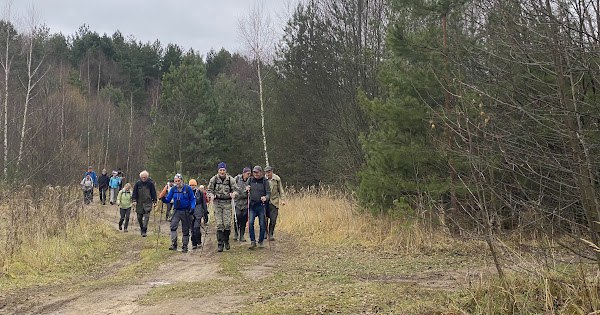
221, 165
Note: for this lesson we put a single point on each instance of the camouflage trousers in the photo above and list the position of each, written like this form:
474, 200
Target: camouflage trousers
223, 214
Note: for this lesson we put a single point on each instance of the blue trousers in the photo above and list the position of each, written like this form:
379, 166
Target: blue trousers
257, 210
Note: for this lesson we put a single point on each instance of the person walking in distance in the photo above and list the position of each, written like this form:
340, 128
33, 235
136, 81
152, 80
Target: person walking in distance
87, 184
90, 171
143, 199
184, 203
163, 193
260, 193
277, 200
103, 186
221, 189
241, 205
124, 204
114, 184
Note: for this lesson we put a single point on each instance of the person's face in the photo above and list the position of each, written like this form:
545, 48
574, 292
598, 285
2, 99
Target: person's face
177, 181
90, 169
194, 186
222, 172
246, 175
144, 178
257, 174
269, 174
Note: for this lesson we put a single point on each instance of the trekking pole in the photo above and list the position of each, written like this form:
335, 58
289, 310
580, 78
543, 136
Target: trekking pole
235, 221
159, 223
205, 232
267, 226
154, 210
248, 215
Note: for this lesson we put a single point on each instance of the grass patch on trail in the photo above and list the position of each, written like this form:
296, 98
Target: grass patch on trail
196, 289
313, 280
149, 258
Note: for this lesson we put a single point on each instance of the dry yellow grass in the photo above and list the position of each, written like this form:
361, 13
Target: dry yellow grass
46, 232
328, 217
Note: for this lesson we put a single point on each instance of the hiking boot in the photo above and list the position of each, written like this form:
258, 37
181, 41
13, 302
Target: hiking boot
173, 247
120, 227
227, 247
194, 246
261, 244
125, 231
184, 249
242, 239
252, 245
220, 248
271, 238
144, 234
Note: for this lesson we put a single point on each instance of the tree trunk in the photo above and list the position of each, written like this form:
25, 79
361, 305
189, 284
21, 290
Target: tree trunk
447, 108
107, 138
30, 86
262, 110
130, 133
6, 65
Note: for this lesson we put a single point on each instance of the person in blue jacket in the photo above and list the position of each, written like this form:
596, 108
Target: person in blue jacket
184, 203
114, 183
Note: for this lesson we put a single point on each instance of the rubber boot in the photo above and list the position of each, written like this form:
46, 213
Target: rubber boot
220, 241
226, 239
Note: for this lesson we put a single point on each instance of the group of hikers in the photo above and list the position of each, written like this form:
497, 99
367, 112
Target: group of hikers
237, 202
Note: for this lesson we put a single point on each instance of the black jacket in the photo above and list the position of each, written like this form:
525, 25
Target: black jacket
258, 188
136, 190
103, 181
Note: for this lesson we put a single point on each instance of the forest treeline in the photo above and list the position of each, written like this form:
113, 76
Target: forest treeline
482, 112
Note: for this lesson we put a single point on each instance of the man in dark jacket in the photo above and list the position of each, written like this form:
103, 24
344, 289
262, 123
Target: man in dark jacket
184, 203
241, 204
144, 198
103, 186
260, 193
201, 213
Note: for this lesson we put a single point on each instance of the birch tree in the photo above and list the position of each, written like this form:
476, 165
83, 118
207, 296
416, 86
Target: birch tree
6, 59
35, 73
256, 32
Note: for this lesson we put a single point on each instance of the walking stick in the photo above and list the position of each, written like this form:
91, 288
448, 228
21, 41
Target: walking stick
235, 221
205, 232
162, 205
266, 226
154, 215
247, 214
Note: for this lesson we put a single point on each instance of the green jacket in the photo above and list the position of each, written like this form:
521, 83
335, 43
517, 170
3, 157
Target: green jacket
276, 190
124, 199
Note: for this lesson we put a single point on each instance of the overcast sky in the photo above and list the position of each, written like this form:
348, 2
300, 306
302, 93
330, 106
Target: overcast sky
197, 24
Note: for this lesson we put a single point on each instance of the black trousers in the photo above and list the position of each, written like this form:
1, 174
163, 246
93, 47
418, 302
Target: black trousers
272, 213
